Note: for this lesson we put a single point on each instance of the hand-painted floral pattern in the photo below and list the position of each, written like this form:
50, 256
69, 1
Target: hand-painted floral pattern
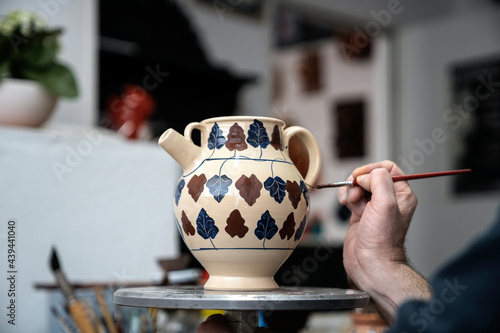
288, 227
266, 228
294, 192
300, 229
236, 138
246, 187
276, 187
236, 224
219, 186
305, 191
196, 186
216, 139
206, 226
179, 227
249, 188
186, 225
257, 135
180, 186
276, 138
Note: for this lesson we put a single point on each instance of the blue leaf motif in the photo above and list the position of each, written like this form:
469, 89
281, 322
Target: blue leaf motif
219, 186
305, 191
206, 226
180, 186
216, 139
266, 227
257, 135
276, 187
300, 229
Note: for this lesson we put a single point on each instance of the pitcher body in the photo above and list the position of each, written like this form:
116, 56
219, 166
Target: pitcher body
241, 205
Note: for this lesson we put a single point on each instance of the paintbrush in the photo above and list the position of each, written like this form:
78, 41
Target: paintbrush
104, 310
75, 308
61, 320
397, 178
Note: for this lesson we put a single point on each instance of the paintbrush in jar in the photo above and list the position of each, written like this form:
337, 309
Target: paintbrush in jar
397, 178
75, 308
61, 320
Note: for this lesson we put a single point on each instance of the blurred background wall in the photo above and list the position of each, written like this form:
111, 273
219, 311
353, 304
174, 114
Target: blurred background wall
428, 52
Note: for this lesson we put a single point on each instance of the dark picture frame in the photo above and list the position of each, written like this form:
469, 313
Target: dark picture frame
474, 118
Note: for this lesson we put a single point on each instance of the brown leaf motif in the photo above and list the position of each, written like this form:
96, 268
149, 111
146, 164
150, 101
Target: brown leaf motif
236, 224
249, 188
196, 185
288, 227
300, 230
186, 225
276, 138
236, 138
294, 192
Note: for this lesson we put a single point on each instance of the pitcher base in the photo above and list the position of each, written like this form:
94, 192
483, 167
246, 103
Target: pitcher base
240, 283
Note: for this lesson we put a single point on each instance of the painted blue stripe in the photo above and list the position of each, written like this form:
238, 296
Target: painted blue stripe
237, 158
242, 248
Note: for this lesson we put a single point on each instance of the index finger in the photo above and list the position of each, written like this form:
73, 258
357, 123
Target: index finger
380, 184
390, 166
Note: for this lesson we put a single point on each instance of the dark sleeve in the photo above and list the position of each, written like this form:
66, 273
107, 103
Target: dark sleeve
466, 294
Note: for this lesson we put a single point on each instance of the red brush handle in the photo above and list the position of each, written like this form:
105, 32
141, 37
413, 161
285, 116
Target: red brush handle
424, 175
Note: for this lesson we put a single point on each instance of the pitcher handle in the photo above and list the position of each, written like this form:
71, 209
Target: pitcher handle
312, 148
189, 129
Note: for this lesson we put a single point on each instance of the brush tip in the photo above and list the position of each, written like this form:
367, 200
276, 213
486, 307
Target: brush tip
54, 261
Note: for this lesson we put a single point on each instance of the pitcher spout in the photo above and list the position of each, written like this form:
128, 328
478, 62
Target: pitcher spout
182, 149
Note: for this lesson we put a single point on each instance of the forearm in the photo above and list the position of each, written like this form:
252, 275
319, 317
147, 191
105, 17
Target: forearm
391, 284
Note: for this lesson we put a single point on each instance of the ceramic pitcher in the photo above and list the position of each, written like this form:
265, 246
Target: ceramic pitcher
241, 205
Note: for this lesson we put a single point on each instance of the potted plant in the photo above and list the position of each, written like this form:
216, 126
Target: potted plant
31, 78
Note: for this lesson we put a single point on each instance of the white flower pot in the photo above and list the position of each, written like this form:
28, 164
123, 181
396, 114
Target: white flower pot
24, 103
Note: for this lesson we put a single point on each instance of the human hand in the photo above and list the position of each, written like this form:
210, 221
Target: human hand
217, 324
378, 225
374, 254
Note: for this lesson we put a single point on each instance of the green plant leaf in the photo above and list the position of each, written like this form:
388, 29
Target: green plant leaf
57, 78
39, 51
5, 50
4, 68
28, 50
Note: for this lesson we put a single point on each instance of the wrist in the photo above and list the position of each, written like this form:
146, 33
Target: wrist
389, 282
374, 273
367, 266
